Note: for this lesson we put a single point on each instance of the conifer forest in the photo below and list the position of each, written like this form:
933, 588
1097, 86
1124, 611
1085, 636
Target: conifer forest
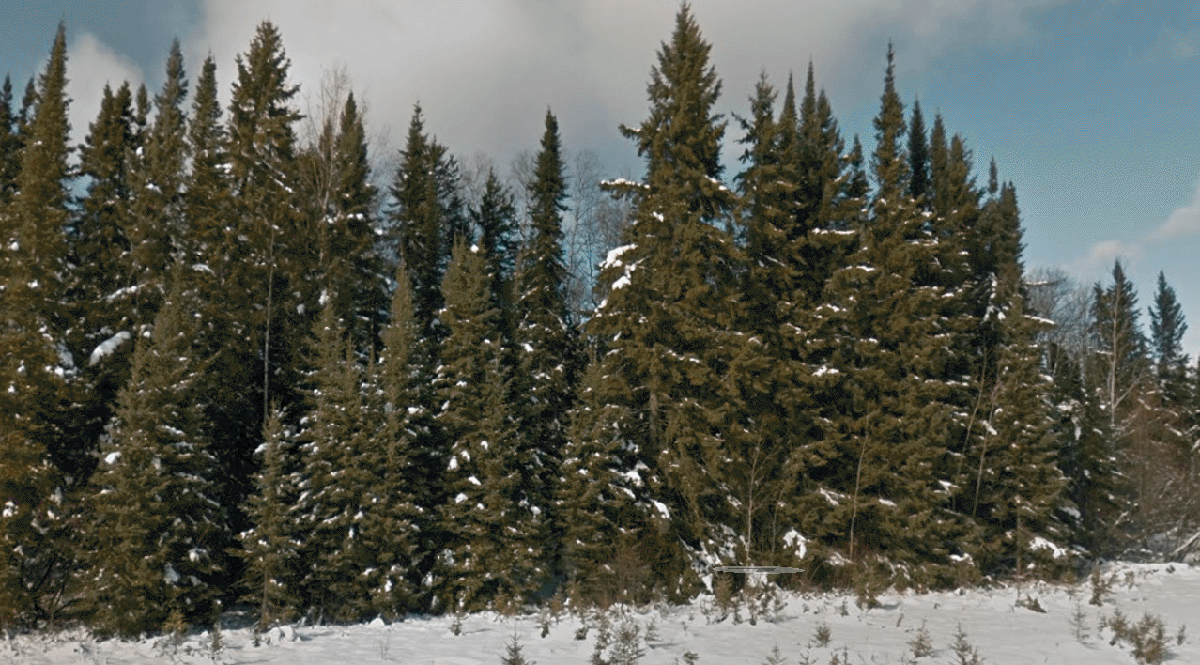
241, 366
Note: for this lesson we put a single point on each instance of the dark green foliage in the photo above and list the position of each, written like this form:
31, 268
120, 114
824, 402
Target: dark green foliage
38, 368
104, 295
426, 217
337, 477
495, 218
28, 479
1092, 476
490, 525
595, 498
158, 535
40, 204
269, 548
667, 325
545, 340
1167, 326
335, 172
10, 144
154, 224
1120, 366
397, 516
265, 253
918, 158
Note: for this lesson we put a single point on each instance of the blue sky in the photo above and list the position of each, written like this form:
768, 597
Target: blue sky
1090, 108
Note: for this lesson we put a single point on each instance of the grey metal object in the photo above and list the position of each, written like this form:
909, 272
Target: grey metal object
769, 570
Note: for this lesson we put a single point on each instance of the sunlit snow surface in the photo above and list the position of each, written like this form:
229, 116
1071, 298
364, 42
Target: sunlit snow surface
1003, 633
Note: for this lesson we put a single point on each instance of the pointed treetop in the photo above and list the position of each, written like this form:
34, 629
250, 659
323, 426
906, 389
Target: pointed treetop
681, 139
889, 163
918, 155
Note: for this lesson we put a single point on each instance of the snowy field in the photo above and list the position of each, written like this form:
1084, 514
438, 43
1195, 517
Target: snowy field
997, 629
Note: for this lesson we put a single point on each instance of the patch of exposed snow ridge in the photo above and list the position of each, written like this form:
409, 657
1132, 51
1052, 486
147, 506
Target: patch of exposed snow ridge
614, 256
108, 346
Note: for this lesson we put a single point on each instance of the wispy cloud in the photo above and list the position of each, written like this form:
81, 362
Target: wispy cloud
1099, 258
1177, 43
485, 70
1183, 222
90, 65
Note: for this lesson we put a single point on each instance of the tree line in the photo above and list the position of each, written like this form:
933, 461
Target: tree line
234, 370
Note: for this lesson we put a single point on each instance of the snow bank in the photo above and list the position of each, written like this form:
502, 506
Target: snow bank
108, 346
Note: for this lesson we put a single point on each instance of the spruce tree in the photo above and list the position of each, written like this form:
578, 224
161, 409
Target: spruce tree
918, 157
495, 217
336, 477
1118, 373
596, 499
1094, 480
103, 294
158, 535
270, 549
772, 203
38, 366
490, 526
876, 464
1167, 326
1120, 365
417, 221
267, 259
336, 174
154, 224
210, 247
10, 144
399, 515
667, 325
545, 339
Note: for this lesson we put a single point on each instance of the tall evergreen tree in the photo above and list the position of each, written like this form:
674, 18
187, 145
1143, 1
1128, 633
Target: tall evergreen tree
270, 548
37, 365
336, 175
336, 478
405, 496
1167, 326
154, 224
545, 339
774, 280
1118, 371
668, 321
103, 294
491, 525
918, 157
10, 144
210, 246
267, 258
877, 462
158, 533
1119, 366
495, 217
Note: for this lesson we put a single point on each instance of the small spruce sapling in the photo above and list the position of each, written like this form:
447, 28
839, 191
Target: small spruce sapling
966, 652
1100, 587
1079, 623
921, 645
512, 653
775, 658
822, 635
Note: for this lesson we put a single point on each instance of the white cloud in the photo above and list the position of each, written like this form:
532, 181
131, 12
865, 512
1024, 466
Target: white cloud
1184, 221
1098, 261
91, 64
485, 70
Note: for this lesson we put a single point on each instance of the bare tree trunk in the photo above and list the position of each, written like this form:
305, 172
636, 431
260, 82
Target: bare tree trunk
862, 452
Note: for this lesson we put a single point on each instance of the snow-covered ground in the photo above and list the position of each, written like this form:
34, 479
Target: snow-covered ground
1001, 632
